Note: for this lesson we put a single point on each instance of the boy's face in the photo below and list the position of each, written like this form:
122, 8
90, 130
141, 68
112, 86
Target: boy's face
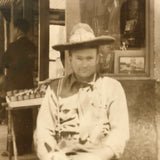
84, 62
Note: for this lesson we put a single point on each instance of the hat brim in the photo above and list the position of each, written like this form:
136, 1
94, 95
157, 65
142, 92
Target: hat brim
102, 40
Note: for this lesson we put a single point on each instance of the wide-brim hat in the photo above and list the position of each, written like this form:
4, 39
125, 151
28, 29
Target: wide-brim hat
82, 36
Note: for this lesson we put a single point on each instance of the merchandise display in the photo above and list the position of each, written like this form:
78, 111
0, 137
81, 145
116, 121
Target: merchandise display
26, 97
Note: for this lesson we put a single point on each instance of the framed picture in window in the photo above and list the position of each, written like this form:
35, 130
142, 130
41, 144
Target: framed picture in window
132, 65
130, 62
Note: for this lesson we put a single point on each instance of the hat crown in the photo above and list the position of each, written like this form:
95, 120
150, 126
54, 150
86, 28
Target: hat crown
82, 36
81, 32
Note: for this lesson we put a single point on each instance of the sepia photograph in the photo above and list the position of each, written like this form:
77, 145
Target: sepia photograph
131, 65
79, 80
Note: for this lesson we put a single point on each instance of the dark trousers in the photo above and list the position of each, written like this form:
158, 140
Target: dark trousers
3, 116
23, 128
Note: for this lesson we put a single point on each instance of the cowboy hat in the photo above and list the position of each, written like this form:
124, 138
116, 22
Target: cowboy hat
82, 36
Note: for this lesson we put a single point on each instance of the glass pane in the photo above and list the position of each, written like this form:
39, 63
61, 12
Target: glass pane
56, 69
57, 4
57, 34
132, 23
124, 20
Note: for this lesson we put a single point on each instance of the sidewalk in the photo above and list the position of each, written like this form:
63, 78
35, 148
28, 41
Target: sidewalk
3, 140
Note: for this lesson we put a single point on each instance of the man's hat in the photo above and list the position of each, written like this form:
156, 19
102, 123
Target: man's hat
82, 36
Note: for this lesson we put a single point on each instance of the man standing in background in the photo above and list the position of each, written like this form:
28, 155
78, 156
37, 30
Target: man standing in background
18, 64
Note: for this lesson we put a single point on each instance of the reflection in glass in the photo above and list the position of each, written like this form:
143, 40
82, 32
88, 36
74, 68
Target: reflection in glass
133, 23
57, 34
106, 59
57, 4
122, 19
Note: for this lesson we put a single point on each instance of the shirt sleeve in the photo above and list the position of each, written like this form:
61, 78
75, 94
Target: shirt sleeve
6, 59
119, 122
46, 123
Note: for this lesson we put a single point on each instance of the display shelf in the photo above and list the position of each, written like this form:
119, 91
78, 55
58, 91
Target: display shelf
24, 103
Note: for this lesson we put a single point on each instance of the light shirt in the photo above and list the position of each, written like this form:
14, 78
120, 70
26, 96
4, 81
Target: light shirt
80, 117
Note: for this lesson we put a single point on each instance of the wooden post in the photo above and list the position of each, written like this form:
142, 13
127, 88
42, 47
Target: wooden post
9, 136
5, 34
12, 20
5, 40
43, 40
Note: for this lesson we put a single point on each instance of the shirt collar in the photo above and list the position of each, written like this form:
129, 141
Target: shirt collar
75, 82
71, 85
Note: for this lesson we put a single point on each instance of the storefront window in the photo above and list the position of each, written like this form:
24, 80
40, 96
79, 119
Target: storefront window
57, 4
126, 21
132, 26
56, 35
